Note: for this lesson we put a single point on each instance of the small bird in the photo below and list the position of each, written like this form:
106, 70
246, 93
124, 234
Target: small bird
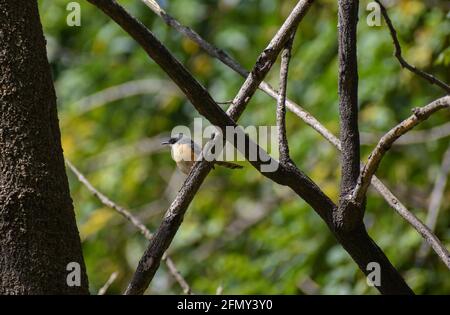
185, 152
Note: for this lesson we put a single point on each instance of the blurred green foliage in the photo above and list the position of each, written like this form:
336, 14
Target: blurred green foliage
242, 233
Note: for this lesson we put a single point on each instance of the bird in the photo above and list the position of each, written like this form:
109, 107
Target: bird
185, 152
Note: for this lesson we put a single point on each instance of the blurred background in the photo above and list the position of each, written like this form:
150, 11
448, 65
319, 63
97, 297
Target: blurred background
243, 234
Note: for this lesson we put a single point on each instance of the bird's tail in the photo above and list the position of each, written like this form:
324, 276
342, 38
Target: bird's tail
228, 164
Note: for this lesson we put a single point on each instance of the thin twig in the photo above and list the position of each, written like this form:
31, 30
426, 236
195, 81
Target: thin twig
135, 221
398, 54
423, 230
436, 201
385, 143
108, 283
281, 102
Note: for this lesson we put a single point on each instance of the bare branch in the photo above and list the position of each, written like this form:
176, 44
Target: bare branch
195, 37
385, 143
344, 217
281, 103
360, 246
436, 201
398, 54
108, 283
423, 230
130, 217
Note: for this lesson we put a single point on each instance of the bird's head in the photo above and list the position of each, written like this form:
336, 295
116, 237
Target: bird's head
173, 140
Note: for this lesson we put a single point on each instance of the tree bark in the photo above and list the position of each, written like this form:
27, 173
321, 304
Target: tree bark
38, 233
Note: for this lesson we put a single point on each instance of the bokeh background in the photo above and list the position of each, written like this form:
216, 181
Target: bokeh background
243, 234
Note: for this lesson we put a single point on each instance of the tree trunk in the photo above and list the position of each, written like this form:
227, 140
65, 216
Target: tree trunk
38, 233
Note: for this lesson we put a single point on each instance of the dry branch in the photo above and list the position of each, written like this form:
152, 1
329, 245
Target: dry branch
135, 221
385, 143
108, 283
345, 217
281, 102
423, 230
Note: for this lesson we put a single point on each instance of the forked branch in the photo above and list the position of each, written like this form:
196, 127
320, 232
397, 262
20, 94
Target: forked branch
385, 143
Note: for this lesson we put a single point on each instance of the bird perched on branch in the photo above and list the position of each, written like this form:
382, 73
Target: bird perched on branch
185, 152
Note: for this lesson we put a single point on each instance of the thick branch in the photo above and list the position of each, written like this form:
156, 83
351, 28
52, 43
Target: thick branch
281, 102
385, 143
345, 217
291, 177
135, 221
398, 54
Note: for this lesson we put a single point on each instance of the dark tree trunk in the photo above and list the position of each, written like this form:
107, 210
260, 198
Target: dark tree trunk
38, 233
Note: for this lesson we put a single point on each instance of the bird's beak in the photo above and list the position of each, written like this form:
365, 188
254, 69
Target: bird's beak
165, 142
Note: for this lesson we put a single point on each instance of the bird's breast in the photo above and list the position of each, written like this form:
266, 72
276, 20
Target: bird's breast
184, 156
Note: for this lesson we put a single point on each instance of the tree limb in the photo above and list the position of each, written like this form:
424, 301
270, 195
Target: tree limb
398, 54
135, 221
281, 102
345, 217
385, 143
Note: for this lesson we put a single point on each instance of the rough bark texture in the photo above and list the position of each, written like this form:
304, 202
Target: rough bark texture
348, 94
38, 233
347, 216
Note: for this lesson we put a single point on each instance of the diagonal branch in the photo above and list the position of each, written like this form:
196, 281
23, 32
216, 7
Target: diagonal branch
435, 202
346, 218
398, 54
423, 230
108, 283
359, 245
300, 112
281, 102
135, 221
385, 143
